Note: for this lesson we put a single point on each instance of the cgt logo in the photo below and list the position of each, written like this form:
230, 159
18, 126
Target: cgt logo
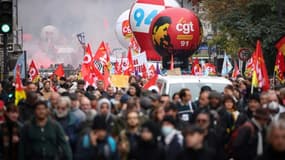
126, 29
185, 28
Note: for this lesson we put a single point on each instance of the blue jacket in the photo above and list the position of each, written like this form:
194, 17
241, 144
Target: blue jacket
105, 149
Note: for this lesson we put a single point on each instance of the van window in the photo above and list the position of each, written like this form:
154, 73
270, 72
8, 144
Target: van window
194, 88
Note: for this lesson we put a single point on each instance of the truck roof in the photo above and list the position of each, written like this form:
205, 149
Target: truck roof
191, 78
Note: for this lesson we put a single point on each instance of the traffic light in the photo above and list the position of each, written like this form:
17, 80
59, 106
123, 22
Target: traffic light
6, 16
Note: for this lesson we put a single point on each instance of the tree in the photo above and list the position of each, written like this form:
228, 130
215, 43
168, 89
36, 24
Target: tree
240, 23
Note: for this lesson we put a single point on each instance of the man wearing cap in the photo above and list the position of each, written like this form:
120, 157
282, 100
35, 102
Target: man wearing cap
250, 140
194, 147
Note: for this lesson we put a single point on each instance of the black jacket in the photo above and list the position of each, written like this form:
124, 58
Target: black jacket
270, 154
201, 154
149, 151
245, 144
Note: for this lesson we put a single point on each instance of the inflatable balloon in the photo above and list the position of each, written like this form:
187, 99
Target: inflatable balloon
141, 15
176, 31
123, 29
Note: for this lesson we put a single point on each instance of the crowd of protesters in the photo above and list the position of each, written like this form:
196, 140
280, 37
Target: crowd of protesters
64, 120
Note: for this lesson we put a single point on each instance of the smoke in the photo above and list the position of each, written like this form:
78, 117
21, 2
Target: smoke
94, 17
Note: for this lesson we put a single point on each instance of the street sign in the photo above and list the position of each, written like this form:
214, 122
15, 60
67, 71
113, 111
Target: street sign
244, 54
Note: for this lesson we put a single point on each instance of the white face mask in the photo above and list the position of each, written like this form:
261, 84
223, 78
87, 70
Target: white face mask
166, 130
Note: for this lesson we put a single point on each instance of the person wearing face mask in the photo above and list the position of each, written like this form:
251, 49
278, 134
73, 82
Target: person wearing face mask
173, 139
68, 121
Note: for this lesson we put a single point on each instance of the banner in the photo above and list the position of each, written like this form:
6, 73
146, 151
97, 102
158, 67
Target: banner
120, 81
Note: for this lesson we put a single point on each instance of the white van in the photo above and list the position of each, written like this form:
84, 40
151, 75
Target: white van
172, 84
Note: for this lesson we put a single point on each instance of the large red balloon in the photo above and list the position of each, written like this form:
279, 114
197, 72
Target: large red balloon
141, 15
176, 31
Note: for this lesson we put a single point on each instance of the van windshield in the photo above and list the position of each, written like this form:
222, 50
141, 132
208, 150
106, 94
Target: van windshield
195, 88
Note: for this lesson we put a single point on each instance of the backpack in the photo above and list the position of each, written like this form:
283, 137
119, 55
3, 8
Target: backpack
235, 133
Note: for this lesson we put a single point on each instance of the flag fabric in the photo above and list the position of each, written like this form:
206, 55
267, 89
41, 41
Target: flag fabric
249, 67
19, 89
101, 52
134, 45
88, 70
33, 72
196, 68
59, 71
152, 71
280, 45
279, 68
107, 80
21, 62
144, 71
260, 77
118, 68
209, 69
227, 66
236, 71
151, 82
130, 68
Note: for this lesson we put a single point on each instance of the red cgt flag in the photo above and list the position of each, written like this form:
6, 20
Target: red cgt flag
33, 72
196, 68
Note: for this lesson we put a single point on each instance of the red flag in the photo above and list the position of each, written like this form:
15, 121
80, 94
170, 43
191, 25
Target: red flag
279, 68
106, 77
59, 71
236, 71
196, 68
33, 72
171, 62
88, 69
260, 69
144, 71
101, 52
151, 82
280, 45
134, 44
19, 90
152, 71
131, 67
118, 69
